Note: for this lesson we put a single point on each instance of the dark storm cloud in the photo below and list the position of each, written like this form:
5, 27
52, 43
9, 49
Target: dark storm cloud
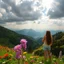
58, 9
21, 12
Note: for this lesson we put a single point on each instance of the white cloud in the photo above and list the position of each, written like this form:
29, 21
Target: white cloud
0, 15
2, 10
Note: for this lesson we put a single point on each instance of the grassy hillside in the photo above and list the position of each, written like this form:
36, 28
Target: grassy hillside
10, 38
58, 43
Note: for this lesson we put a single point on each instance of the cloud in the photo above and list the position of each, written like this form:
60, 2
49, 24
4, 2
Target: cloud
24, 11
0, 15
58, 22
57, 10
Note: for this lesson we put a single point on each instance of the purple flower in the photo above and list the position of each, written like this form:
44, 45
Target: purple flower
23, 43
17, 48
18, 55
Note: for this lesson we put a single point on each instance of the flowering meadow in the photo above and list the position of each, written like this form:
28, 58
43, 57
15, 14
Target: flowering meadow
17, 55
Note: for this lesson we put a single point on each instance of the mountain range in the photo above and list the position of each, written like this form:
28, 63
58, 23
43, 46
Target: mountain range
35, 33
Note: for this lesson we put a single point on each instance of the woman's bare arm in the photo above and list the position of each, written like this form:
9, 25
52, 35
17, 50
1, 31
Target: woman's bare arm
43, 39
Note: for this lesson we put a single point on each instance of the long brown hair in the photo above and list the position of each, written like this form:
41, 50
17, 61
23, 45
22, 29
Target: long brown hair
48, 37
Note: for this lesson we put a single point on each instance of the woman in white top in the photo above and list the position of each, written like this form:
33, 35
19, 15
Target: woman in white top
47, 44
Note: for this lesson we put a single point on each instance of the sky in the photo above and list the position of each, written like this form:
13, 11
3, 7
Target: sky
32, 14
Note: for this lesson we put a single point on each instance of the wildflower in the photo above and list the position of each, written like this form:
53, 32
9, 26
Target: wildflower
40, 62
54, 60
17, 48
25, 62
5, 55
24, 53
24, 57
23, 43
18, 55
32, 61
31, 56
0, 57
3, 62
10, 55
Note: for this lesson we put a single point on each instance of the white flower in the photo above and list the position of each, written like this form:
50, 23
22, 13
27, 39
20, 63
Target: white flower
40, 62
3, 62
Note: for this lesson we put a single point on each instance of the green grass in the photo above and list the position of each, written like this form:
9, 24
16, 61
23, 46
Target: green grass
28, 59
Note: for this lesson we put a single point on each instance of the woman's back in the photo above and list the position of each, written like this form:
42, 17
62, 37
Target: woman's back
47, 38
47, 44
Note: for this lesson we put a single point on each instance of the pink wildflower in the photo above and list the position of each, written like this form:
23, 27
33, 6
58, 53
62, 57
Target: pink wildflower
17, 48
24, 57
18, 55
23, 43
